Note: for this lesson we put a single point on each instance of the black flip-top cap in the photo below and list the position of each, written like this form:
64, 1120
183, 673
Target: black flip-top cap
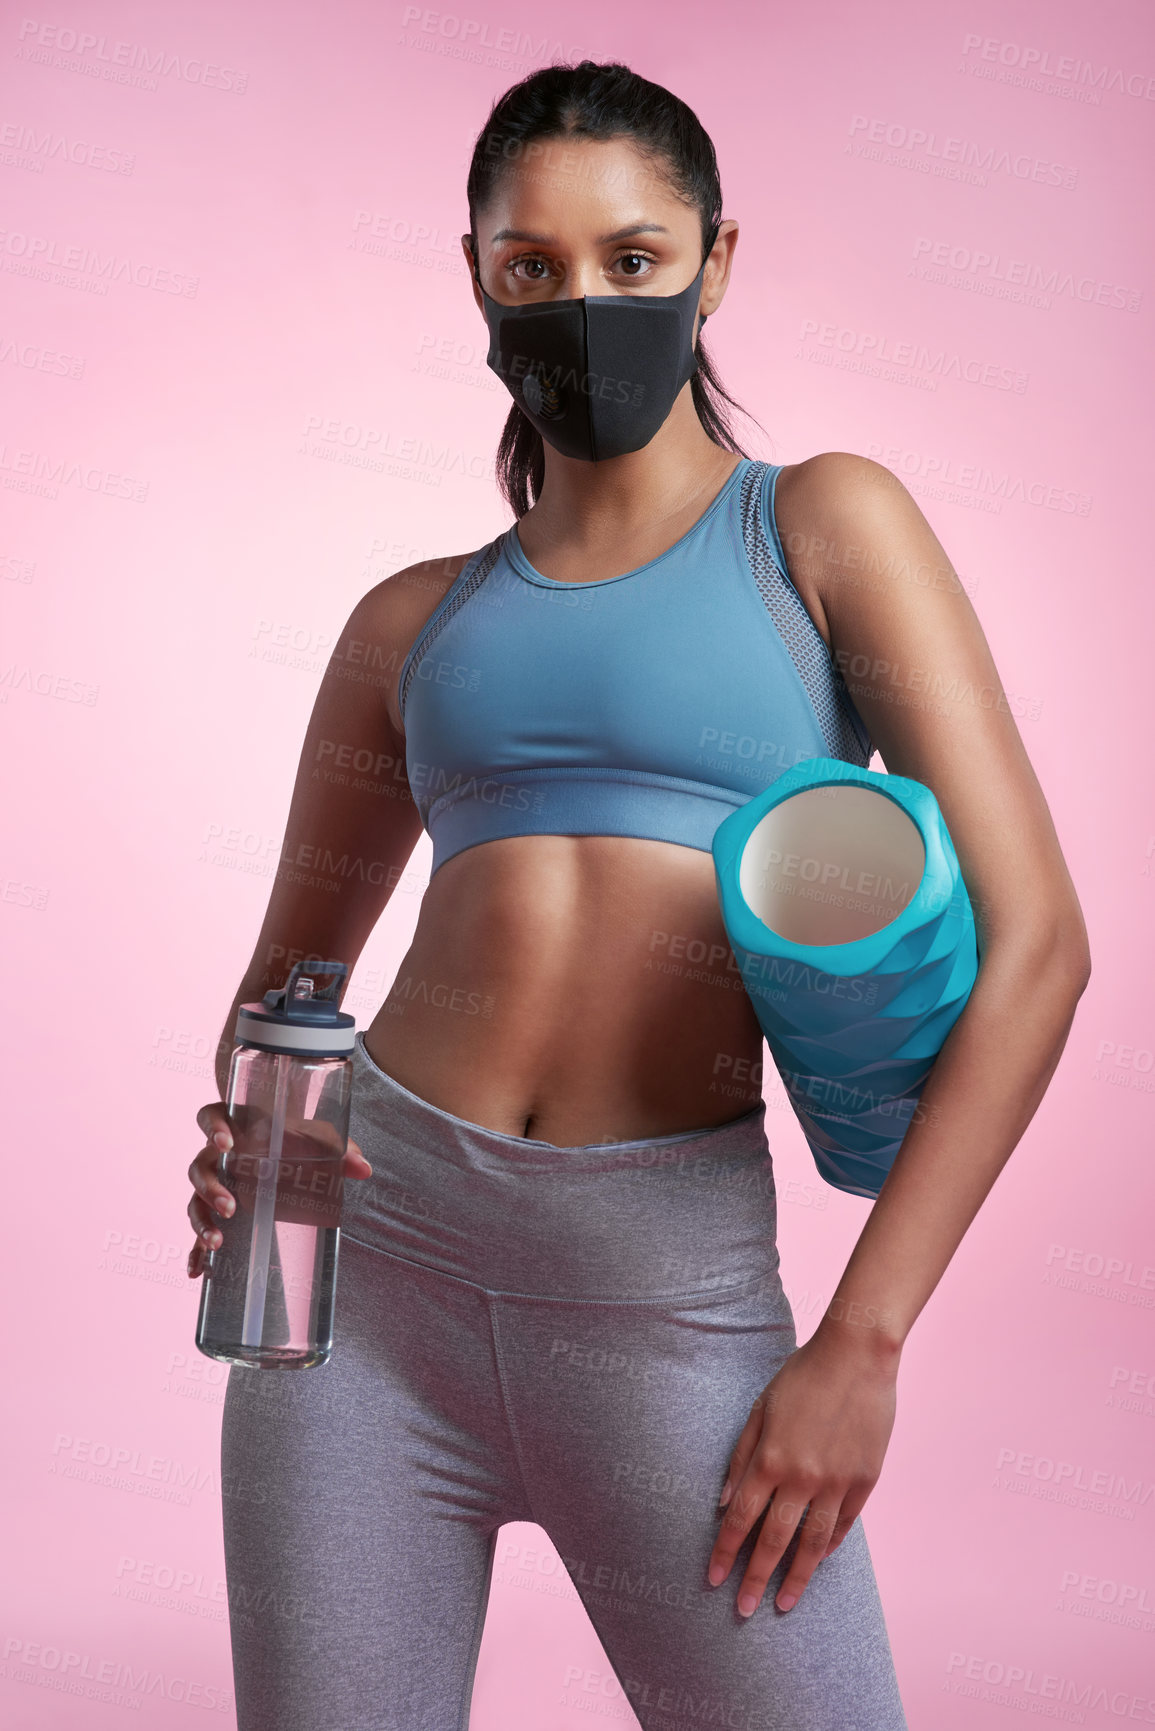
297, 1018
308, 1005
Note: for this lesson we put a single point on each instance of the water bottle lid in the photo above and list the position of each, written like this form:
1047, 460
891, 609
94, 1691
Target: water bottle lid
298, 1018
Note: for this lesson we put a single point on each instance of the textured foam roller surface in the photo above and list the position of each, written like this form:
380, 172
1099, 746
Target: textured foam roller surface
853, 1026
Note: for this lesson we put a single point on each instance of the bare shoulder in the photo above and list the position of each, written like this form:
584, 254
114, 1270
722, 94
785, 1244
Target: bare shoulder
834, 512
821, 501
829, 491
389, 617
832, 474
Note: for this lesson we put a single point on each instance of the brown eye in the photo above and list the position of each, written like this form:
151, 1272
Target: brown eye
530, 259
643, 258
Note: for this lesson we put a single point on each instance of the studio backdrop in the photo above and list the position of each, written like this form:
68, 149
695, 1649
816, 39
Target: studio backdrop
244, 380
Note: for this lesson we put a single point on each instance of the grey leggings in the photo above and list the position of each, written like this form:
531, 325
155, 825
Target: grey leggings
524, 1332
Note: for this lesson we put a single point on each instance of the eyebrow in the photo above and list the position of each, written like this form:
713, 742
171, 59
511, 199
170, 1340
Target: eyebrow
602, 239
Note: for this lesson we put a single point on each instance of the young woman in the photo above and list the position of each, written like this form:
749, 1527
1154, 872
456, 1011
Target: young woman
558, 1294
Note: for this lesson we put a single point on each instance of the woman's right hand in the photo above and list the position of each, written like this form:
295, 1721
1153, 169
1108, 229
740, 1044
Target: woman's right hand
210, 1196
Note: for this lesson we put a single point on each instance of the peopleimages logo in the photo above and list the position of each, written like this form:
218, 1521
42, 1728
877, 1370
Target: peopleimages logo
1008, 1683
909, 352
998, 486
38, 147
80, 266
995, 272
1040, 63
942, 153
124, 1683
122, 62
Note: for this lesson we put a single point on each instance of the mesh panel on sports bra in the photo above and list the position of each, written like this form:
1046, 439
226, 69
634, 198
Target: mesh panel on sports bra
468, 582
842, 726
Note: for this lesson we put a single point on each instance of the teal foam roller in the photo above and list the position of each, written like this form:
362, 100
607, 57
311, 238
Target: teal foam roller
854, 933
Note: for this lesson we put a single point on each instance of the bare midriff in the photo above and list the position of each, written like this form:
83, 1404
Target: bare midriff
575, 989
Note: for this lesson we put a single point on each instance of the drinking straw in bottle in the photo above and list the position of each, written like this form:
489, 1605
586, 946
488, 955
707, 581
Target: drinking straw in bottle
269, 1287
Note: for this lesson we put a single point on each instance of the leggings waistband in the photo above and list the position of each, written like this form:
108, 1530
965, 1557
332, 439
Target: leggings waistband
689, 1215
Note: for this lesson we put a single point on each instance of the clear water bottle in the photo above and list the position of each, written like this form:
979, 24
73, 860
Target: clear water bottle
269, 1287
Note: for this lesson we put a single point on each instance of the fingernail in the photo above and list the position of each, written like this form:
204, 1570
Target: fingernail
747, 1604
717, 1574
725, 1497
787, 1602
225, 1204
223, 1140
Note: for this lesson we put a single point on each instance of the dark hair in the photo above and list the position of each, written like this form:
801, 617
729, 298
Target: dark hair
600, 101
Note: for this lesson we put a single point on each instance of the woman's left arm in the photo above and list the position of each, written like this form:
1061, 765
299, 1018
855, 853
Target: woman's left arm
906, 637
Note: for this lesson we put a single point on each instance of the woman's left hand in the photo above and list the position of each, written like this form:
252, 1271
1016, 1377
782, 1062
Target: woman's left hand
816, 1435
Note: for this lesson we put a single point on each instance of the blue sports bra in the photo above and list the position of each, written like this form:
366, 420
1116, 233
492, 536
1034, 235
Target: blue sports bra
651, 704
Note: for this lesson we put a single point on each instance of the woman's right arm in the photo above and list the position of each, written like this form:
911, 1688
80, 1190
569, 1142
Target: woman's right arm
351, 829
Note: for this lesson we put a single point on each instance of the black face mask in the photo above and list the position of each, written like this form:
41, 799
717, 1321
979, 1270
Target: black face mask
597, 377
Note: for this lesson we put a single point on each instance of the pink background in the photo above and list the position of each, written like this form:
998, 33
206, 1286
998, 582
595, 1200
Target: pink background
243, 380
